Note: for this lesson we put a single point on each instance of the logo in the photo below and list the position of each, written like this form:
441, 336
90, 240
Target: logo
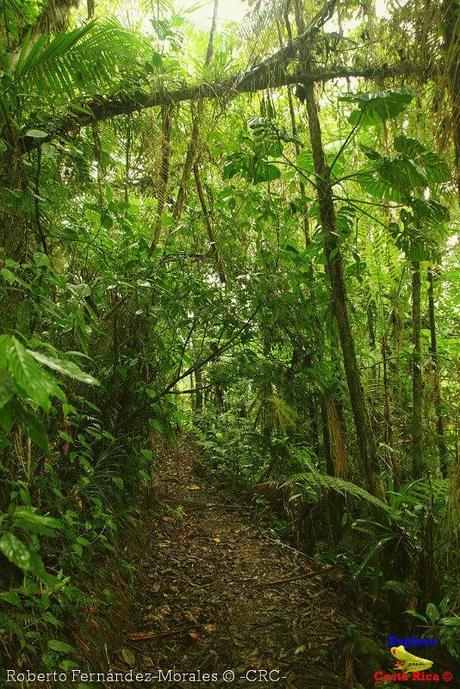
409, 641
410, 668
407, 662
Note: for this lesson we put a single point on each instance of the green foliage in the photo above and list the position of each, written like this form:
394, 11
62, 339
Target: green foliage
227, 326
438, 621
313, 480
27, 387
375, 108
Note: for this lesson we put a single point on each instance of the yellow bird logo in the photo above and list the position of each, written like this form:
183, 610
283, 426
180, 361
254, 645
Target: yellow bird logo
408, 662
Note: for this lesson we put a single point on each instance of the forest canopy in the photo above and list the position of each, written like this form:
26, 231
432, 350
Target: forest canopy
236, 221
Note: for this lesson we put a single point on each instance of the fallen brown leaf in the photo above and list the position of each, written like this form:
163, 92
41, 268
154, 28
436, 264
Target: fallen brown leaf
188, 617
128, 657
195, 637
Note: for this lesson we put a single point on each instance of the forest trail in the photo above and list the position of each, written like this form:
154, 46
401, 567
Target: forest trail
221, 595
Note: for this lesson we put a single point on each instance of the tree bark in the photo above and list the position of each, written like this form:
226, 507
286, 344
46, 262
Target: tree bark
440, 438
334, 264
451, 30
199, 390
388, 421
188, 165
53, 19
335, 271
210, 230
196, 120
212, 33
309, 357
163, 177
417, 382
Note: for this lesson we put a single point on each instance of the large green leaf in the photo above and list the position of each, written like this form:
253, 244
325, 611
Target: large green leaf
36, 133
305, 161
265, 172
392, 179
267, 141
237, 163
11, 598
339, 485
435, 168
20, 555
401, 174
376, 187
75, 62
67, 368
60, 646
7, 387
28, 519
375, 108
27, 374
32, 426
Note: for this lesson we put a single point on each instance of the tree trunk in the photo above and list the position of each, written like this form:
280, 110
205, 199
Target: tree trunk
196, 120
335, 271
309, 358
219, 265
212, 33
199, 390
451, 30
417, 383
53, 19
388, 426
440, 438
163, 177
188, 164
326, 438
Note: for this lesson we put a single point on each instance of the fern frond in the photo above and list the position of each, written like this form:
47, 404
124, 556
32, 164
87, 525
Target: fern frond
314, 479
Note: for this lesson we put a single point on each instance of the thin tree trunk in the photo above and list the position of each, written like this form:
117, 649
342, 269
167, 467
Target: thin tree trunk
188, 164
451, 30
326, 437
266, 394
196, 120
163, 177
388, 428
210, 48
208, 222
53, 18
309, 359
335, 271
334, 262
127, 161
417, 383
440, 438
199, 390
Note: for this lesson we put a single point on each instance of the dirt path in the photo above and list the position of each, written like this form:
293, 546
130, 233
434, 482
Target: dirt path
220, 595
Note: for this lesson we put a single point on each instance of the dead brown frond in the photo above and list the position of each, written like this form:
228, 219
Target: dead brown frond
336, 436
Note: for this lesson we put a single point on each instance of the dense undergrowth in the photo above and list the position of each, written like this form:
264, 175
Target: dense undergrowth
398, 550
68, 513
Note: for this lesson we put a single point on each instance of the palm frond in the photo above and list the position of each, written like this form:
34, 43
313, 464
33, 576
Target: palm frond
78, 61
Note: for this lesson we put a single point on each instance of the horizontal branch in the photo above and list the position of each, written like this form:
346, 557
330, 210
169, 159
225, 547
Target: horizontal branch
103, 108
273, 72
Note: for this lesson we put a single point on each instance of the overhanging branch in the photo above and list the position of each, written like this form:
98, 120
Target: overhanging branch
101, 108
